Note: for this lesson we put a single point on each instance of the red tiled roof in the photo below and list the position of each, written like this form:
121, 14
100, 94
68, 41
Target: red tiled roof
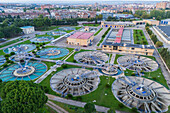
81, 35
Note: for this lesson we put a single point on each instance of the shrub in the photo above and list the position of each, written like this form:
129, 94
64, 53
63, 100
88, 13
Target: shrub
107, 85
70, 96
79, 98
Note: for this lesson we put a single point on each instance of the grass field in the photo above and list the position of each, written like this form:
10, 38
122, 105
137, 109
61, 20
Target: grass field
94, 25
2, 52
8, 43
46, 109
98, 32
69, 108
139, 37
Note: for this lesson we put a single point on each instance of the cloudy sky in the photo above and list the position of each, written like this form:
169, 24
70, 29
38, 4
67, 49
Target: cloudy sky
48, 1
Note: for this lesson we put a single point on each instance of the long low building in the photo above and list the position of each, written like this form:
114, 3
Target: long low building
163, 32
28, 29
80, 38
149, 21
116, 24
128, 48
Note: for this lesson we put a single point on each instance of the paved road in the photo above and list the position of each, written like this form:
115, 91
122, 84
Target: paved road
160, 39
76, 103
57, 108
53, 68
159, 60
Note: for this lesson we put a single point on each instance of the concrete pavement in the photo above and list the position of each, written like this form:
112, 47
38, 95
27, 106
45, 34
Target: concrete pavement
76, 103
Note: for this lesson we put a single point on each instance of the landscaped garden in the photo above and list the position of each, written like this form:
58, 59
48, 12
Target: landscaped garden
139, 37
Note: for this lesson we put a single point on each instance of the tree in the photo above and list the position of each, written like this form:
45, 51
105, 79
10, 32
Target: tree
159, 44
22, 97
89, 108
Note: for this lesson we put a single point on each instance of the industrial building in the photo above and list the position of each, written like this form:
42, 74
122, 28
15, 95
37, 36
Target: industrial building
163, 32
165, 22
116, 24
149, 21
80, 38
128, 48
28, 29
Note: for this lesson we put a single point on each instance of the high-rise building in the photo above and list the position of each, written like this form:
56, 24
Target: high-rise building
163, 5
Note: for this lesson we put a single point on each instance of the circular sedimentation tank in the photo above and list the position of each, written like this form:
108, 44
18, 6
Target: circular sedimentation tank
75, 81
42, 39
144, 94
2, 60
57, 33
23, 71
66, 28
135, 62
52, 52
23, 48
91, 57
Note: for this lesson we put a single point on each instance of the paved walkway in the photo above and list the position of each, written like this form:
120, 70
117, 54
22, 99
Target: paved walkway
159, 60
76, 103
53, 68
57, 108
113, 58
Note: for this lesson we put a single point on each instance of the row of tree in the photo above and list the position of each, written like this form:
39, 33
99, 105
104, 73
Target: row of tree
158, 14
163, 51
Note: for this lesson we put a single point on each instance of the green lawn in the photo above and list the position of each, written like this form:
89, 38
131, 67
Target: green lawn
139, 37
49, 28
93, 25
69, 108
8, 43
155, 75
2, 52
104, 96
46, 109
98, 32
77, 28
71, 58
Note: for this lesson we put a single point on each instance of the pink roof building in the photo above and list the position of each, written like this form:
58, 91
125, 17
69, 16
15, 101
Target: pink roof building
119, 35
81, 35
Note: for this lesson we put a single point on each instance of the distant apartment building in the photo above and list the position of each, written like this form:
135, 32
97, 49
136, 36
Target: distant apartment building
47, 6
163, 5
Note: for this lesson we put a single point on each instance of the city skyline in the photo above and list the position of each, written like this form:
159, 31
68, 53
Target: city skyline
72, 1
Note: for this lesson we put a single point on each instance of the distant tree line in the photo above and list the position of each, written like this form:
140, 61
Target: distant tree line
158, 14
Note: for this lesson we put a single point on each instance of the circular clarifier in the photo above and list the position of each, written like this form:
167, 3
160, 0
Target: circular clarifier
56, 33
51, 53
23, 48
141, 93
134, 62
91, 57
29, 71
42, 39
75, 81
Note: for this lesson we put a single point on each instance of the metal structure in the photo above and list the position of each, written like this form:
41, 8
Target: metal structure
51, 53
144, 94
2, 60
138, 63
23, 48
75, 81
56, 33
24, 69
42, 39
91, 57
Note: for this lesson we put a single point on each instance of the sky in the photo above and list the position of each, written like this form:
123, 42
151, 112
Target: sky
55, 1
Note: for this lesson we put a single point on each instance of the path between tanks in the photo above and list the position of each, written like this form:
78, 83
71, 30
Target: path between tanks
75, 103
